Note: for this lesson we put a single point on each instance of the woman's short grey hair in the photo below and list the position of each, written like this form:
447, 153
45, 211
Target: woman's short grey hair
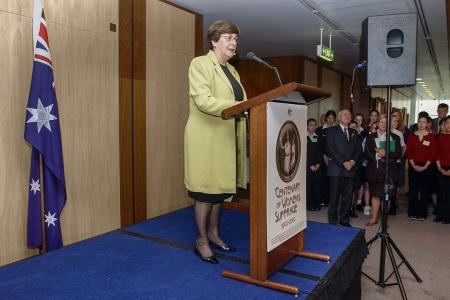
218, 28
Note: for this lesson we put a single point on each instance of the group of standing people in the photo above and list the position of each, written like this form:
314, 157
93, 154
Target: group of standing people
429, 161
347, 159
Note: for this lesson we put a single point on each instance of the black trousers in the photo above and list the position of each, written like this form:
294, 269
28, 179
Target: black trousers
419, 184
325, 186
444, 198
340, 199
313, 188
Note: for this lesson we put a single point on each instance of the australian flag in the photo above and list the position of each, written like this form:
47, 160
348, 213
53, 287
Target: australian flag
43, 133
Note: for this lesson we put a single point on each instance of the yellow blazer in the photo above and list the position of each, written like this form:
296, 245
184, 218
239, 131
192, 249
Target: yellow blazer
214, 149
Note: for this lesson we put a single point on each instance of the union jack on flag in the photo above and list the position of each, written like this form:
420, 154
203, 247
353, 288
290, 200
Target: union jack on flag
43, 132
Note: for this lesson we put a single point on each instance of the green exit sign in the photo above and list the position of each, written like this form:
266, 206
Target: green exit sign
325, 53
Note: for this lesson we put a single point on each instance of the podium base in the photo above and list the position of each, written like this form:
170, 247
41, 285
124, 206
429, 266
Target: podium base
313, 255
265, 283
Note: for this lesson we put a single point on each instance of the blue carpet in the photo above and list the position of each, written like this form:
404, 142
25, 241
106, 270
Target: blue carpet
322, 238
120, 266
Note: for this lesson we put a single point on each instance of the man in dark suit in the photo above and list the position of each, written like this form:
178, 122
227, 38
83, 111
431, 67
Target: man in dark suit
442, 111
330, 119
344, 149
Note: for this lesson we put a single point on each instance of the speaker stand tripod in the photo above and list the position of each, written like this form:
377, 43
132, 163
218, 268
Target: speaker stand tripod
386, 241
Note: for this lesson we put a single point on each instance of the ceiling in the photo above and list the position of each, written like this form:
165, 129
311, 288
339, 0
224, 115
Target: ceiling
292, 27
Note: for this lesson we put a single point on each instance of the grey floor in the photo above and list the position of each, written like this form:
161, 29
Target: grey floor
426, 245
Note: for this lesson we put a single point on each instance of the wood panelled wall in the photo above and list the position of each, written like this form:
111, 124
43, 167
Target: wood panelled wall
170, 47
330, 81
15, 65
85, 59
258, 79
311, 77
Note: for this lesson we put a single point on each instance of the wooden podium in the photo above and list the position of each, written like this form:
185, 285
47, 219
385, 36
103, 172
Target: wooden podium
262, 262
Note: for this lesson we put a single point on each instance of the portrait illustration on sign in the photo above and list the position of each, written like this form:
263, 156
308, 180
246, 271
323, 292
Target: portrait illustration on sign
288, 151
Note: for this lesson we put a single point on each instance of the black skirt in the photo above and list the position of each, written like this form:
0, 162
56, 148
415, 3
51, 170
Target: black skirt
209, 198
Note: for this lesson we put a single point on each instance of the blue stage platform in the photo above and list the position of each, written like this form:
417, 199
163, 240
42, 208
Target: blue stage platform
155, 260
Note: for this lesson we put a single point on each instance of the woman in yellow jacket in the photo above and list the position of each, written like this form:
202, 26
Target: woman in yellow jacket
214, 148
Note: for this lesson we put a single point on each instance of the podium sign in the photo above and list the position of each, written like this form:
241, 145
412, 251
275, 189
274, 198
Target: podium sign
286, 172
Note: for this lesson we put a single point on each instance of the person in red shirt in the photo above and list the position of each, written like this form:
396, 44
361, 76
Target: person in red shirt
443, 166
420, 151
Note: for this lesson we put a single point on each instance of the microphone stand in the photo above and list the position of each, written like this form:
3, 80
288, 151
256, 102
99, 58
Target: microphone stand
278, 75
252, 56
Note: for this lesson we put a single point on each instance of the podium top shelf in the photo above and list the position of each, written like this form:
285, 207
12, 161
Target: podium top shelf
310, 95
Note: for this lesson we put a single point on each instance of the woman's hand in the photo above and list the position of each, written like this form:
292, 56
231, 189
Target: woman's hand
380, 152
419, 168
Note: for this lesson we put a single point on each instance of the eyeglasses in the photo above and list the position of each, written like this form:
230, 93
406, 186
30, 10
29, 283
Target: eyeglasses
229, 38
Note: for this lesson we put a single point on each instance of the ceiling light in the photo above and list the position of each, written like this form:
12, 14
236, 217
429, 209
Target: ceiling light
418, 79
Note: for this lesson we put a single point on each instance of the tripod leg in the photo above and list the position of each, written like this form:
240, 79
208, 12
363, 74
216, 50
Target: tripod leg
404, 260
372, 240
397, 274
384, 243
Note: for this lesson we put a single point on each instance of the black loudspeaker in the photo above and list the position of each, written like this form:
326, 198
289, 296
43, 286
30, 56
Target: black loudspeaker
388, 44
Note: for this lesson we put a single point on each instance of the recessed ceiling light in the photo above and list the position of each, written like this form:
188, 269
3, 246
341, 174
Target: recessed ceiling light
418, 79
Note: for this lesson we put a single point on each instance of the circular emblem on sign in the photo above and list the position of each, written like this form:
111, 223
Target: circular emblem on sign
288, 151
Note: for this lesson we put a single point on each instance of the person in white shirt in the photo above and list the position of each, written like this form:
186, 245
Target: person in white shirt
313, 167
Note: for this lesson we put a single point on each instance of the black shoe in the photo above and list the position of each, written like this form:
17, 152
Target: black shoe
359, 207
437, 219
392, 212
225, 247
345, 224
445, 222
210, 259
352, 214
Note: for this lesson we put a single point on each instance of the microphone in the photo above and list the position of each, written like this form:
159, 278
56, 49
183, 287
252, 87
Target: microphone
252, 56
361, 65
